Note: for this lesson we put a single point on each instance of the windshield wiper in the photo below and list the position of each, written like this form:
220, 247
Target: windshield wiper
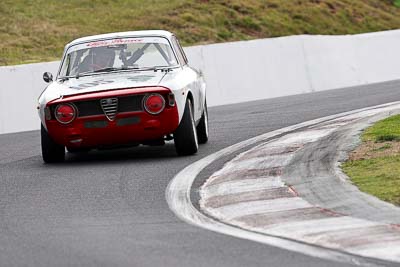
157, 68
87, 73
108, 69
104, 70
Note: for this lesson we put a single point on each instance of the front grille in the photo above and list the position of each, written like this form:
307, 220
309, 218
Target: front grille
88, 108
110, 107
125, 104
130, 103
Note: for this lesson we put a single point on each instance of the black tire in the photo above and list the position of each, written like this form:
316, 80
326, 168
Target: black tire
185, 136
202, 127
51, 151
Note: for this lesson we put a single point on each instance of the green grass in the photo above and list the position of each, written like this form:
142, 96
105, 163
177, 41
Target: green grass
37, 30
385, 130
378, 174
379, 177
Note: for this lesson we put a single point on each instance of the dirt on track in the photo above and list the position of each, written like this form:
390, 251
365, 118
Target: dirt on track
372, 149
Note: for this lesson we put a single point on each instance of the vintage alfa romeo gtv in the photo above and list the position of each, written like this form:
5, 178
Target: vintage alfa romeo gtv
123, 89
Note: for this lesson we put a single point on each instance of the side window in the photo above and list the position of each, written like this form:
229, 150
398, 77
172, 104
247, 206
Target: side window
66, 66
179, 51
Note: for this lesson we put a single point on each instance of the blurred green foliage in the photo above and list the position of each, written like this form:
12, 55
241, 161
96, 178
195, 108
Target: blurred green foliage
37, 30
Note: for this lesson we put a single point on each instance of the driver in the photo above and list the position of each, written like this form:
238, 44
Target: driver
102, 57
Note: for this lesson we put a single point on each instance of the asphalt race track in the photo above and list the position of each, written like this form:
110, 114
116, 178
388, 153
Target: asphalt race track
108, 208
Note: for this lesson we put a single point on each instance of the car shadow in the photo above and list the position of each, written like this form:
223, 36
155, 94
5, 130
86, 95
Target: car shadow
140, 153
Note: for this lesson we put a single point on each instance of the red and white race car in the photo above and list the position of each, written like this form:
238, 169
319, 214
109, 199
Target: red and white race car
119, 89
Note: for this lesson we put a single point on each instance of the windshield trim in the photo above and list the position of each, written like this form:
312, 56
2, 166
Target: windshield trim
111, 38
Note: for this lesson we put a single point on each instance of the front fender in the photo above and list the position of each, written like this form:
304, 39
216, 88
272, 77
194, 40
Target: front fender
180, 100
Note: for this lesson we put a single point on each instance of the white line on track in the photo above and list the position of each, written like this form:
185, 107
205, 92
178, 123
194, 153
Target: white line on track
312, 227
241, 186
241, 209
391, 250
263, 163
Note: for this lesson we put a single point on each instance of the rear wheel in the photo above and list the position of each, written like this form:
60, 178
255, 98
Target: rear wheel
185, 136
202, 127
51, 151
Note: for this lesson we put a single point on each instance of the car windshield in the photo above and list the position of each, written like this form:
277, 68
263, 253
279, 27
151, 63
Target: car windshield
118, 55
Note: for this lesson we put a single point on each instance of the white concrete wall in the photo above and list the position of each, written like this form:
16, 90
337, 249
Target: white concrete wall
20, 87
267, 68
240, 71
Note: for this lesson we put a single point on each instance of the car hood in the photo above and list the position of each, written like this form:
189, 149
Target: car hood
109, 81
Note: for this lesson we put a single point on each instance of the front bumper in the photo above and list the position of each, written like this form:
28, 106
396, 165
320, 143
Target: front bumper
127, 128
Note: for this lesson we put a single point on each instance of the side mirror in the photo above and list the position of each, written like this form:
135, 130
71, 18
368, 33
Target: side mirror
47, 77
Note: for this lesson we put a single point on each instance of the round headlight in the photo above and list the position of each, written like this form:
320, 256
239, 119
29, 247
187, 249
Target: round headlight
154, 104
65, 113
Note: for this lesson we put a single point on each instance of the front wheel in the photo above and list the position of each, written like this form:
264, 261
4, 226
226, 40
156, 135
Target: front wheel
51, 151
202, 127
185, 136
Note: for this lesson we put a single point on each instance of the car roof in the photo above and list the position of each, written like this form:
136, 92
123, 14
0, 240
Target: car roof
161, 33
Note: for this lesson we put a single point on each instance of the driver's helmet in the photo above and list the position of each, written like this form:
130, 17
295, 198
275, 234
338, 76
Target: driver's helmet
103, 57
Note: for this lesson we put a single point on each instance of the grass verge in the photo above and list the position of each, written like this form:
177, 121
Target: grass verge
378, 176
385, 130
374, 166
37, 30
